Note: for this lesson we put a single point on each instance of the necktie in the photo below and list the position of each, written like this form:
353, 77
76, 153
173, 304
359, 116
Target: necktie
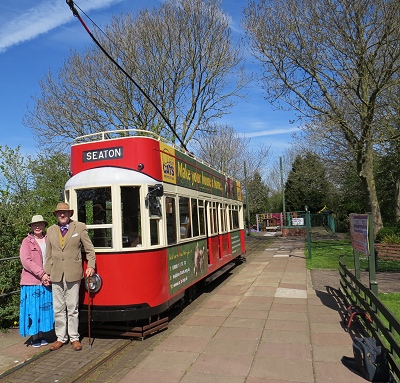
64, 230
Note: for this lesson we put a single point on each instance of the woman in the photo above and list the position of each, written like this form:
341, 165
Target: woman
36, 305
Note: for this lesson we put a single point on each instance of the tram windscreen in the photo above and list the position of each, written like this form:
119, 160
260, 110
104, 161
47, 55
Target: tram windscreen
95, 208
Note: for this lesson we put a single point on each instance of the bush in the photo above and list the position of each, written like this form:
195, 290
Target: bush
390, 234
9, 310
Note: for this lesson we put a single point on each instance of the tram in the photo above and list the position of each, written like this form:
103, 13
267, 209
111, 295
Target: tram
160, 219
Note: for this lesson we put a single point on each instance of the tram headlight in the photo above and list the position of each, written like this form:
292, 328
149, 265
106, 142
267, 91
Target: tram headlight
95, 283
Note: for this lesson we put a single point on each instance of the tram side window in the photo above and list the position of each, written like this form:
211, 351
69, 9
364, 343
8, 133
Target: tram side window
171, 219
202, 217
155, 214
95, 208
154, 231
184, 217
234, 217
130, 216
213, 218
222, 215
195, 217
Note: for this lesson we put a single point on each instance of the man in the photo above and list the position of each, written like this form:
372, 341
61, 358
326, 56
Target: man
65, 242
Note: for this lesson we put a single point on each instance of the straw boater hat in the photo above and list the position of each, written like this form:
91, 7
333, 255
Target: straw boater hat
63, 206
37, 219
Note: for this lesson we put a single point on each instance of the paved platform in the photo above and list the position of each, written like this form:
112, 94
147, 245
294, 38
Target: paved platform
266, 324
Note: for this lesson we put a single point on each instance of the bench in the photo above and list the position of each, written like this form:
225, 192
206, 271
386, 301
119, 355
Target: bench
387, 251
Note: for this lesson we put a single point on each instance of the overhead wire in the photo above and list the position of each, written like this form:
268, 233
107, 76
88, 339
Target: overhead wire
75, 12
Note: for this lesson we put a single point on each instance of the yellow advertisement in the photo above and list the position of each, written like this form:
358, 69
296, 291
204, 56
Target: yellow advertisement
168, 163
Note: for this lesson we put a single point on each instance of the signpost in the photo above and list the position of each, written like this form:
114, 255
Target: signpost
362, 241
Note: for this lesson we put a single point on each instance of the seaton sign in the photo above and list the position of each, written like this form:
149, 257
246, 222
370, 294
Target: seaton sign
103, 154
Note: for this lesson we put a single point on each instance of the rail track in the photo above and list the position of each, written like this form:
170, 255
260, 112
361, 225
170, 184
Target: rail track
107, 358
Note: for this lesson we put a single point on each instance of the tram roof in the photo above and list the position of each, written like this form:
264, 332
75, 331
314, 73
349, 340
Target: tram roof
137, 133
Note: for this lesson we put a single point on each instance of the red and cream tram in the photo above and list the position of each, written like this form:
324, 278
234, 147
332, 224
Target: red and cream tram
160, 220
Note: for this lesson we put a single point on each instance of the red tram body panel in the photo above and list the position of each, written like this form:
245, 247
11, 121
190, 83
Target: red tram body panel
160, 220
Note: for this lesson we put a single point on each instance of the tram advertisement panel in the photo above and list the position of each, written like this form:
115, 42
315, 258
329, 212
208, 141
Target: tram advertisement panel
186, 264
183, 170
236, 244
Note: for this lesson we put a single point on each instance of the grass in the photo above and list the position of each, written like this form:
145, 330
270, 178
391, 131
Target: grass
392, 302
325, 254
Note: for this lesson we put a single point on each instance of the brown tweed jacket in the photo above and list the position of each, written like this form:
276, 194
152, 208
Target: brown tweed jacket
67, 260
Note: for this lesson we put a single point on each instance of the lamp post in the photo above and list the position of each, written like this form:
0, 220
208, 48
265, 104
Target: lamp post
308, 224
283, 193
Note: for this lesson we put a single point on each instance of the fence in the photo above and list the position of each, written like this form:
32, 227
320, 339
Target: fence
294, 220
8, 280
384, 326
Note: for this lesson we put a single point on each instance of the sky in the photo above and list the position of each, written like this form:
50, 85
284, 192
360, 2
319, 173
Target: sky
38, 36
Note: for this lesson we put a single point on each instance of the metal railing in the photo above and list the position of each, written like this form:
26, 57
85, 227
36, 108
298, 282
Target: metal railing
385, 328
2, 293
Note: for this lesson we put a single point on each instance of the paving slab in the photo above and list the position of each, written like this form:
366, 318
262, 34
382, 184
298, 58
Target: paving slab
265, 324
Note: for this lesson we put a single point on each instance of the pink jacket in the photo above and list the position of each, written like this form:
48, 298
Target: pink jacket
32, 261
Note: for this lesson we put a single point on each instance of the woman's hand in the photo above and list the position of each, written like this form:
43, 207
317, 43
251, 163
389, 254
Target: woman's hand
46, 280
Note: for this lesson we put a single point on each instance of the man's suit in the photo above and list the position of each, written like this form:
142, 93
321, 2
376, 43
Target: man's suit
67, 260
64, 265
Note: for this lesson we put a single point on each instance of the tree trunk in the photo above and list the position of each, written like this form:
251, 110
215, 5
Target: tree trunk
366, 173
397, 200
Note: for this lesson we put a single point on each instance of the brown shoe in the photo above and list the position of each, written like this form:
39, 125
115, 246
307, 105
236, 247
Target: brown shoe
56, 345
76, 345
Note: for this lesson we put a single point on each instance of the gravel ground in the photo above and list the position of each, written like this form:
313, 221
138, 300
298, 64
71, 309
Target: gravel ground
322, 278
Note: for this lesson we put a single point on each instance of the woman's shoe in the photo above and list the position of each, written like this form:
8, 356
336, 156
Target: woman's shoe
43, 342
36, 343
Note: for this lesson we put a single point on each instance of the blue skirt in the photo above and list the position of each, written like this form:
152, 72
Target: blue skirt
35, 310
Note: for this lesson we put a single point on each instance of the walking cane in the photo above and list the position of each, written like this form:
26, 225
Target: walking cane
88, 291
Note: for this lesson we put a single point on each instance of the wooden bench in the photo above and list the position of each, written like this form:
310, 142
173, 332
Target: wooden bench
389, 252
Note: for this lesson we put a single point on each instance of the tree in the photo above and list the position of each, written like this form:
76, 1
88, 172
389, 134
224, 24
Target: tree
276, 173
257, 196
307, 184
181, 55
50, 172
222, 148
28, 185
335, 62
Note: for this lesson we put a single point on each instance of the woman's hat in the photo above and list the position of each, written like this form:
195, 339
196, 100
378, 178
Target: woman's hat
37, 219
63, 206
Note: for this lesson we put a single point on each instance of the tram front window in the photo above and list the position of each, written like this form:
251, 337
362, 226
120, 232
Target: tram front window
95, 209
130, 215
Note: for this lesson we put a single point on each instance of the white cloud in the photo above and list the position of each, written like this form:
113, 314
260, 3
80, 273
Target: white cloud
42, 18
270, 132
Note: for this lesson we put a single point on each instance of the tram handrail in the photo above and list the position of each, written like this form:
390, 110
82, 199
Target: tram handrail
107, 135
103, 135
